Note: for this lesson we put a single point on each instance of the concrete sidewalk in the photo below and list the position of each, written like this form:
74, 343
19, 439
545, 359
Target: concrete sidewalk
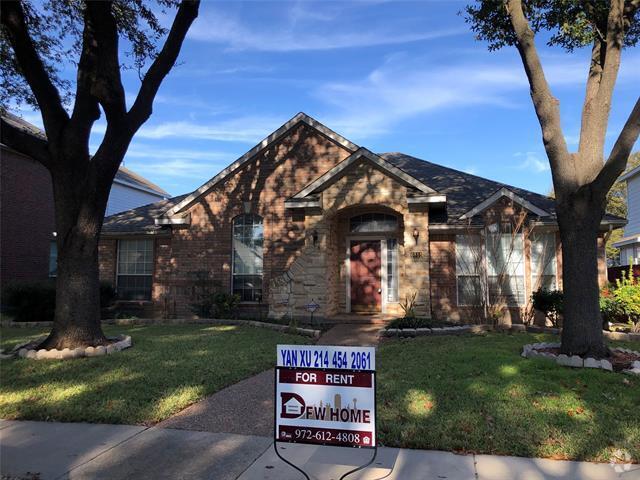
45, 451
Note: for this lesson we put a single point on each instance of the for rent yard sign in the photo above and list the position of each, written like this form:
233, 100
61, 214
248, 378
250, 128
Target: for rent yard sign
326, 395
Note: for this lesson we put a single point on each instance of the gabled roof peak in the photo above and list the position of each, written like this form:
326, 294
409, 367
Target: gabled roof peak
297, 118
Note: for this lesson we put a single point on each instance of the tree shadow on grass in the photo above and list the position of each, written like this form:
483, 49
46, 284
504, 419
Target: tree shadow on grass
167, 369
471, 394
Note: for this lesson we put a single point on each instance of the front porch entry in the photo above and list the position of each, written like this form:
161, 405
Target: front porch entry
371, 261
365, 276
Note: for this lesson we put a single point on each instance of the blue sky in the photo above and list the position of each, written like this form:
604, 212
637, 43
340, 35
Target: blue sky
389, 76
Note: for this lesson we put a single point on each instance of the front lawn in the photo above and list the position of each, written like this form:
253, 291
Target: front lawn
168, 368
476, 394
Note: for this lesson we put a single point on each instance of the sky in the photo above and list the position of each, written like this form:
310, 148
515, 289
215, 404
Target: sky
389, 76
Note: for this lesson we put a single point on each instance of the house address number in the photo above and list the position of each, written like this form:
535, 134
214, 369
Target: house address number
419, 256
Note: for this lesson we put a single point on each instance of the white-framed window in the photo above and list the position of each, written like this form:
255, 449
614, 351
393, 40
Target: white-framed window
469, 262
544, 265
53, 258
134, 269
392, 270
248, 239
505, 269
373, 222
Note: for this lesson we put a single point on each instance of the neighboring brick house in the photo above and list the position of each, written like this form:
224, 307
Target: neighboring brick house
306, 216
27, 224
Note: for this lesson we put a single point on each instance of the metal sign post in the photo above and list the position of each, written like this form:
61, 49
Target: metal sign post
325, 395
312, 307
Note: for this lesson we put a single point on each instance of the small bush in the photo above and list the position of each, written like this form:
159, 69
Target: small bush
30, 301
621, 301
418, 322
36, 301
225, 304
550, 303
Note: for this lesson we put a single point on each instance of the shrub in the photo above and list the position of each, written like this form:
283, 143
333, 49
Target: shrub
36, 301
627, 296
550, 303
418, 322
408, 305
609, 307
208, 298
225, 304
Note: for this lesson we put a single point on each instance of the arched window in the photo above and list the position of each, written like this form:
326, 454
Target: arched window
247, 257
373, 222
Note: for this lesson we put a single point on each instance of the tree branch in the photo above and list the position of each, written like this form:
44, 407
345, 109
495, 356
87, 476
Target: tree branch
620, 152
545, 104
53, 114
598, 102
23, 141
106, 84
143, 105
86, 108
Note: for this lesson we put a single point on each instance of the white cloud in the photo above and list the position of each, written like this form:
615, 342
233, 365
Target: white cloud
532, 162
293, 36
175, 168
403, 88
241, 129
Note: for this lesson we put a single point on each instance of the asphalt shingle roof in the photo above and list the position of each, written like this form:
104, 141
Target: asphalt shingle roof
463, 190
140, 219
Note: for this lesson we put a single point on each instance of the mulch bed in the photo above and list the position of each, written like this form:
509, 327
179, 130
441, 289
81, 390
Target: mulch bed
619, 360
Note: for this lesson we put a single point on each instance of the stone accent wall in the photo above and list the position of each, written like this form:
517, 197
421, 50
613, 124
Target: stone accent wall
320, 273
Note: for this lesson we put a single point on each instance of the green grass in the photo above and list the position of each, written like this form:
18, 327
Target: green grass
476, 394
168, 368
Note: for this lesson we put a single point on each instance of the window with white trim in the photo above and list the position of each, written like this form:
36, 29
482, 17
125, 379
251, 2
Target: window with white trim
53, 259
544, 265
247, 257
373, 222
469, 260
392, 270
135, 269
505, 268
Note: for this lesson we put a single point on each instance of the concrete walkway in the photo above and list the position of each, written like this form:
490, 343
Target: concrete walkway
60, 451
246, 408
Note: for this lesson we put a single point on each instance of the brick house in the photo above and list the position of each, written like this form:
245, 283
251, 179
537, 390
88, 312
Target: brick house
27, 222
307, 216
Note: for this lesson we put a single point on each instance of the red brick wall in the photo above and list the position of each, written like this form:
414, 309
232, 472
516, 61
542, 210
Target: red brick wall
260, 187
27, 218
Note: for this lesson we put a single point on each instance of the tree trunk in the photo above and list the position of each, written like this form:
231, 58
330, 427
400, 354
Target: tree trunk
582, 321
80, 208
77, 317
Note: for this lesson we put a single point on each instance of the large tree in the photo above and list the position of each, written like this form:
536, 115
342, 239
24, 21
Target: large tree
582, 178
36, 41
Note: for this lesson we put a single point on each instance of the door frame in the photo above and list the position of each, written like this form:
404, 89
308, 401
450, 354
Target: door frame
383, 266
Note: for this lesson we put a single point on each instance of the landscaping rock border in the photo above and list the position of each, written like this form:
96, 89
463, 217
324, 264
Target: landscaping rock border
459, 329
531, 350
307, 332
124, 341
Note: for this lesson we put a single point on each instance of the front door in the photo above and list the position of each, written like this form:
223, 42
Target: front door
366, 287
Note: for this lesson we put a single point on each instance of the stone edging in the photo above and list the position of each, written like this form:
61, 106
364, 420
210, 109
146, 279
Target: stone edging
531, 351
417, 332
124, 341
460, 329
307, 332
